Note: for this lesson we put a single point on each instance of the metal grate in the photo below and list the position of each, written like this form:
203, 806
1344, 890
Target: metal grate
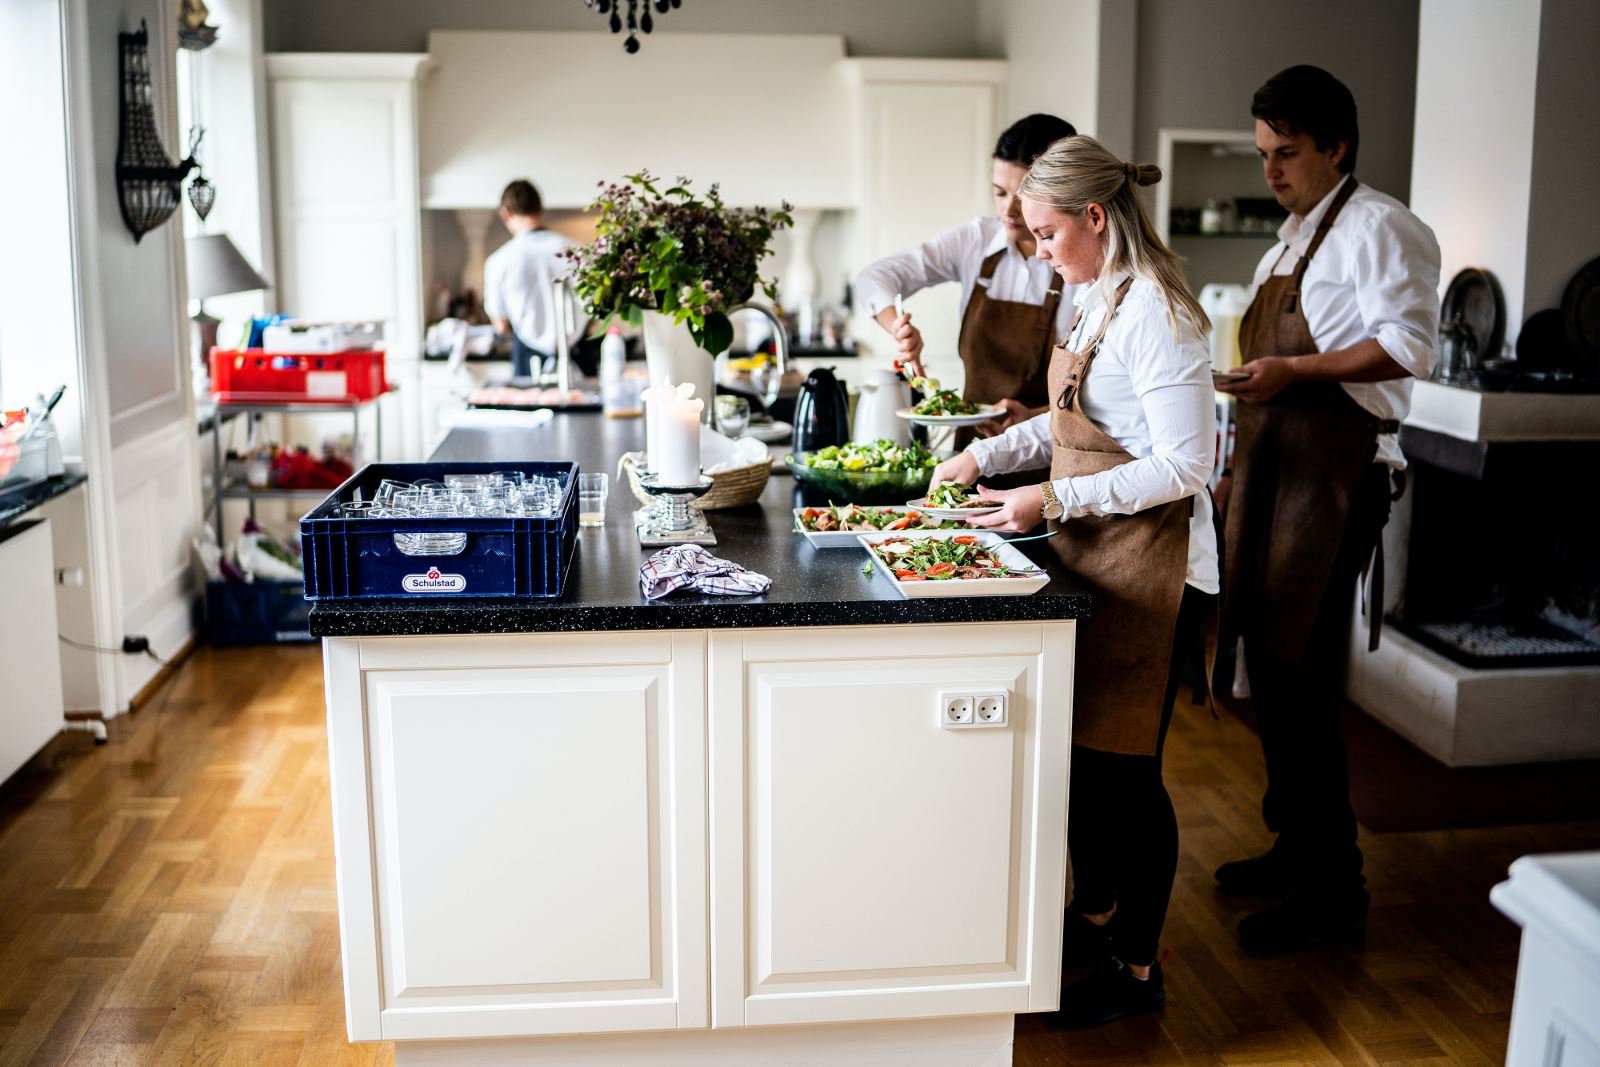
1503, 643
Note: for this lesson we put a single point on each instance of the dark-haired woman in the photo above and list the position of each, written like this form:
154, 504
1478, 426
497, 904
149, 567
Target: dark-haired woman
1129, 438
1014, 307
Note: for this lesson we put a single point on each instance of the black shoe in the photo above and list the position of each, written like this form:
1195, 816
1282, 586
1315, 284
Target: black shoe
1110, 992
1083, 941
1266, 875
1303, 920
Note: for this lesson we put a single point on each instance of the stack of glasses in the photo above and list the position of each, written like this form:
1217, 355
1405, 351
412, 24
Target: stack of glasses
500, 495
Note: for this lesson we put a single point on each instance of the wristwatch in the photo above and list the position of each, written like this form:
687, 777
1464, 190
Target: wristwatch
1053, 508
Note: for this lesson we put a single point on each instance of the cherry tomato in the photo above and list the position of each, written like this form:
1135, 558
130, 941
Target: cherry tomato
909, 576
965, 539
941, 570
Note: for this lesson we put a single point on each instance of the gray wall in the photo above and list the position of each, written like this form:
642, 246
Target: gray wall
1563, 218
939, 28
1199, 62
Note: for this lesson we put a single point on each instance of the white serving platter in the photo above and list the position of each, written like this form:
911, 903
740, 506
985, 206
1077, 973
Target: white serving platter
1005, 553
847, 538
984, 414
921, 504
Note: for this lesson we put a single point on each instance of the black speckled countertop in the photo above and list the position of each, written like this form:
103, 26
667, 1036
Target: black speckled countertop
810, 587
23, 499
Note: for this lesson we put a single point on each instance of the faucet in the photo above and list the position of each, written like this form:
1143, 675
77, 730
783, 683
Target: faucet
561, 290
780, 341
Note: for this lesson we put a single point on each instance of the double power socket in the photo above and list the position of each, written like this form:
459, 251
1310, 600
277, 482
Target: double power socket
961, 710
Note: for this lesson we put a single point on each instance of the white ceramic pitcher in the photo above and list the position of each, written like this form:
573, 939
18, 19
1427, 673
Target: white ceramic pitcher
882, 394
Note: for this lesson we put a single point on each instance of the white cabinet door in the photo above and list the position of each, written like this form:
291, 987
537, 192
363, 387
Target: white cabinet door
927, 132
867, 862
536, 810
30, 652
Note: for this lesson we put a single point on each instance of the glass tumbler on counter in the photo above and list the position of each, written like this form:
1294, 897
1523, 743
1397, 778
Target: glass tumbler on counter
592, 489
733, 416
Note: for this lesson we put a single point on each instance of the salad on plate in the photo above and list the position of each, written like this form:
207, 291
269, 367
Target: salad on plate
928, 559
858, 519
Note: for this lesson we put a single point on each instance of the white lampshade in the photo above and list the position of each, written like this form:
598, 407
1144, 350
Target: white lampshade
217, 268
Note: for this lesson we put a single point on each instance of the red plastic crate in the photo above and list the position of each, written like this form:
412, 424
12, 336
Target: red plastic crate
332, 377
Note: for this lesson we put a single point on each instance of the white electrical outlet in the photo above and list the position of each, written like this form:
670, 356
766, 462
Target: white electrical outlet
955, 709
989, 709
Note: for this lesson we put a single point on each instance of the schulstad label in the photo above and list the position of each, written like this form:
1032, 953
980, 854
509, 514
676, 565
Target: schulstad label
433, 582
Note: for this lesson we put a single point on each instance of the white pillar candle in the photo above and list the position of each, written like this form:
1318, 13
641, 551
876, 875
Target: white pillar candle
672, 432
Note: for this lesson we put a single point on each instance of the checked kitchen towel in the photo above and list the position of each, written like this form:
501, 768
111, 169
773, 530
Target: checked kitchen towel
690, 565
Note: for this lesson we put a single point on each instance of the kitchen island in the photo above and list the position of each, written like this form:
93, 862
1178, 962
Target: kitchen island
700, 830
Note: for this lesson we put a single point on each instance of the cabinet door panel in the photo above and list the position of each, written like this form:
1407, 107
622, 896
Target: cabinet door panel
538, 845
868, 863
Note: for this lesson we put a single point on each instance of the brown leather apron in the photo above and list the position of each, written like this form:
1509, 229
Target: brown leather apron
1005, 346
1298, 460
1134, 565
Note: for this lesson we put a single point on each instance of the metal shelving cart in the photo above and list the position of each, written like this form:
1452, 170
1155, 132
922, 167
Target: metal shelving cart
255, 409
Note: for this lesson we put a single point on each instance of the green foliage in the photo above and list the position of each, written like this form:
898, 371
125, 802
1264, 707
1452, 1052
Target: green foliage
676, 253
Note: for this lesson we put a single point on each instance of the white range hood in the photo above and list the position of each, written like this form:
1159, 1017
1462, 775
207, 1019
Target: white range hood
566, 109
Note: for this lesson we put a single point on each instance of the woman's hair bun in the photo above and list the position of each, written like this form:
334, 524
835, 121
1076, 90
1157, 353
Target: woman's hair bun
1144, 173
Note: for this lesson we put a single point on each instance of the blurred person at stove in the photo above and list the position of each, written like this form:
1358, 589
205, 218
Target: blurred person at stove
1344, 316
518, 293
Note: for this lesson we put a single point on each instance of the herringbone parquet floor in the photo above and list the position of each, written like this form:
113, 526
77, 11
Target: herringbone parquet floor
168, 899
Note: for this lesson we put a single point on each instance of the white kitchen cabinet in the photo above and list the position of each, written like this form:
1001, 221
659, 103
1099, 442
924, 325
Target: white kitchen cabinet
1556, 901
547, 834
926, 136
868, 862
30, 657
347, 204
537, 834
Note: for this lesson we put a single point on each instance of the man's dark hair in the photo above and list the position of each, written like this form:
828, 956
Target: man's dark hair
1309, 100
521, 198
1026, 139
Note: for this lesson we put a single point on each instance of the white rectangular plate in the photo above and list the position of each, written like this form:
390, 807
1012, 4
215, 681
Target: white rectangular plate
1007, 555
847, 538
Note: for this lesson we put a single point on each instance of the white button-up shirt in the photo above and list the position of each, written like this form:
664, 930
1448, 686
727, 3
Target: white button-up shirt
1375, 277
1149, 391
957, 255
516, 285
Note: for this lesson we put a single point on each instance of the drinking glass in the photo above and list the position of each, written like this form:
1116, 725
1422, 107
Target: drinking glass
733, 416
592, 489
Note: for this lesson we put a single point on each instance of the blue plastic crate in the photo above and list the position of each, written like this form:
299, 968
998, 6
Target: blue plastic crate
261, 612
349, 559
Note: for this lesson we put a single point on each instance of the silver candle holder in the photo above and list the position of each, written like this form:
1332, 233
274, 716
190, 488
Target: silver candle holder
671, 517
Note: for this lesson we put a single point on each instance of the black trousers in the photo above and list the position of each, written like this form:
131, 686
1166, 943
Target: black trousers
1122, 833
1299, 710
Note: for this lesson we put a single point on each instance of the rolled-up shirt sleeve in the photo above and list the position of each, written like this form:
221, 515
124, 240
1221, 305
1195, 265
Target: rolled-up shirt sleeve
936, 260
1395, 276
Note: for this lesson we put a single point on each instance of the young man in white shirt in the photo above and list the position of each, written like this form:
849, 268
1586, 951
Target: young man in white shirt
518, 278
1344, 315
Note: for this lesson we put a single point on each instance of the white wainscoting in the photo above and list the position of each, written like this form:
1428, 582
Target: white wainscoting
155, 513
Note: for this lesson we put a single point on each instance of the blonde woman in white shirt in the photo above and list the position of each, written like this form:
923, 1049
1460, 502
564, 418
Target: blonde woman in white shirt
1013, 307
1129, 439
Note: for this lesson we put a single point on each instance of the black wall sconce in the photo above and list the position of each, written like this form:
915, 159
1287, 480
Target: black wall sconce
147, 180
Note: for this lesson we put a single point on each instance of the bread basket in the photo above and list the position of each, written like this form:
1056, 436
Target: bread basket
729, 489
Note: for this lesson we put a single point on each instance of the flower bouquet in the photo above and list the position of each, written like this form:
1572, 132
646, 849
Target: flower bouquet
689, 258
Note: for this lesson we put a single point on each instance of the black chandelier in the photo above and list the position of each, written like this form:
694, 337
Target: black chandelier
637, 21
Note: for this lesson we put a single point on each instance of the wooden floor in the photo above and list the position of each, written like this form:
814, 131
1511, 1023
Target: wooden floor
168, 899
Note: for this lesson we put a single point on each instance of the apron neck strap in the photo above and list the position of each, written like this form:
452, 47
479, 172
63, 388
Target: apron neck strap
1327, 222
1081, 359
990, 262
